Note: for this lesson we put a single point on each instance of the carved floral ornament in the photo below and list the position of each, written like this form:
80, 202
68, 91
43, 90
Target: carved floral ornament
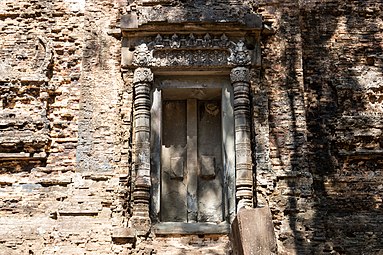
191, 50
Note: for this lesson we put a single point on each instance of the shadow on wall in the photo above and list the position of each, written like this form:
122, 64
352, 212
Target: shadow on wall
342, 61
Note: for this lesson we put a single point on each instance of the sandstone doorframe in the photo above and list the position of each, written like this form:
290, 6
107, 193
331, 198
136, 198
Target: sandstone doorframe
199, 52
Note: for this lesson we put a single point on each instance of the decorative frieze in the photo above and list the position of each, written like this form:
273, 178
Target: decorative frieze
190, 41
190, 58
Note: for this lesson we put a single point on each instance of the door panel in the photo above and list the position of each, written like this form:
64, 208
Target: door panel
173, 160
210, 162
191, 158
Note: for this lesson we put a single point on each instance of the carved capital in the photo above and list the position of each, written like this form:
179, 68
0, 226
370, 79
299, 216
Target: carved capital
240, 74
143, 74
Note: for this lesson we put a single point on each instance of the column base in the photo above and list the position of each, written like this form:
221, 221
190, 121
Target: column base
141, 224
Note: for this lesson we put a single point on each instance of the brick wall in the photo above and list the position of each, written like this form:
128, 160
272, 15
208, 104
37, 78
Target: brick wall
322, 69
65, 129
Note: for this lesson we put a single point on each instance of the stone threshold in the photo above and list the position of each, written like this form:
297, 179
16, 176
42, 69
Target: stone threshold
171, 228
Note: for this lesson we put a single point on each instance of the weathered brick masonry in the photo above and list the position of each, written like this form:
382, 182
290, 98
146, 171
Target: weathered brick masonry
66, 127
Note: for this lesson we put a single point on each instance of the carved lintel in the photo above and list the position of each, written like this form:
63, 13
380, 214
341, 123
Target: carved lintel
191, 50
208, 57
190, 41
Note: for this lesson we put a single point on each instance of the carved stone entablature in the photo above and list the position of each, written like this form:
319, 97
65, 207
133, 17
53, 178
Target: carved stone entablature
190, 50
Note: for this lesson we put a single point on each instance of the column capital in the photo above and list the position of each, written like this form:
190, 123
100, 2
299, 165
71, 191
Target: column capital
240, 74
143, 74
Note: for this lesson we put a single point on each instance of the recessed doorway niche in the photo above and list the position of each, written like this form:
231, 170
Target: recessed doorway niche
192, 153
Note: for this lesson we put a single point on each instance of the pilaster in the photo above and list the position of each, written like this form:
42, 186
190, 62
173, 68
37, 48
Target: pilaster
240, 79
142, 80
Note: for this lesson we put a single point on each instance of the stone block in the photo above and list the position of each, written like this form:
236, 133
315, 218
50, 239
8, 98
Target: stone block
128, 233
129, 21
253, 232
123, 235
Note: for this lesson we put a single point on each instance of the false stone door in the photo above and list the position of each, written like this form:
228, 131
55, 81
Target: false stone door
191, 161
